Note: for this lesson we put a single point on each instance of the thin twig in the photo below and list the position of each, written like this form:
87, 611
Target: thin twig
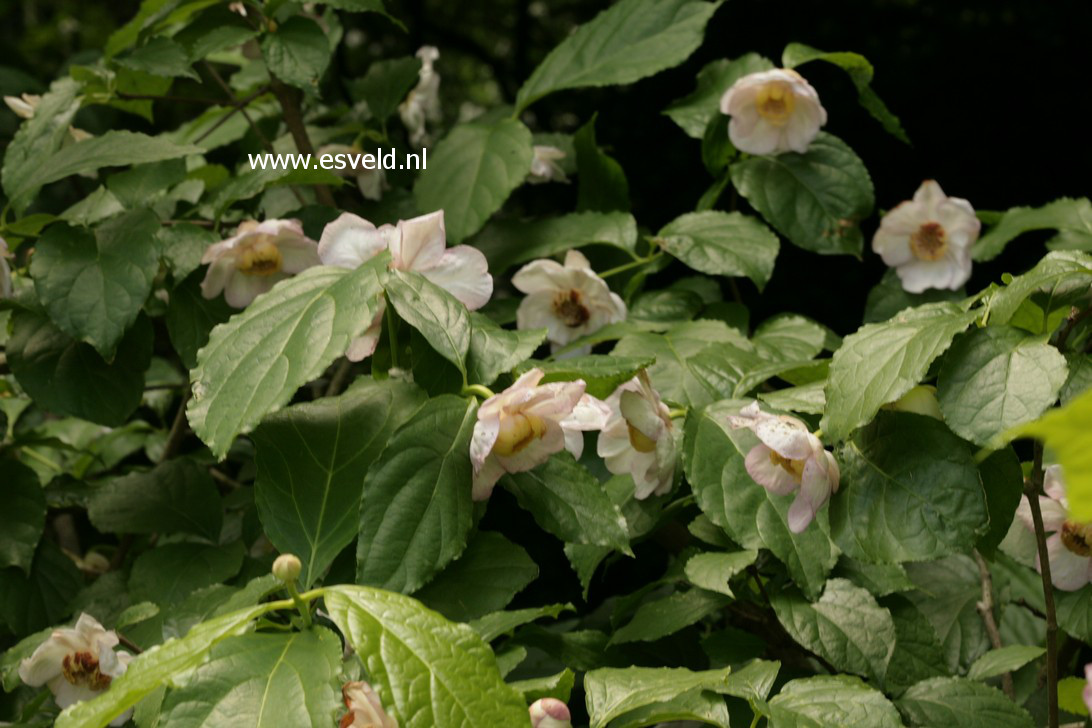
1032, 487
341, 375
225, 479
985, 610
178, 430
1075, 317
236, 106
178, 99
1021, 602
289, 99
128, 643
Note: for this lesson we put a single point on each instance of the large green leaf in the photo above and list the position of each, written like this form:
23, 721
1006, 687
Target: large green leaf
506, 243
662, 617
948, 592
311, 461
918, 653
22, 518
255, 362
170, 572
431, 673
601, 374
37, 139
602, 184
693, 707
694, 111
831, 701
44, 596
712, 571
191, 318
722, 243
472, 171
1003, 483
816, 199
272, 679
995, 378
1003, 659
631, 40
612, 692
956, 701
297, 52
438, 315
881, 362
1059, 272
416, 513
1072, 218
386, 83
494, 350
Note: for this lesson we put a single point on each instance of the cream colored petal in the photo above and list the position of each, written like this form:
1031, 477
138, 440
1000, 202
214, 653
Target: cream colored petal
298, 254
768, 474
464, 273
242, 289
421, 244
349, 241
575, 259
539, 276
763, 138
930, 195
44, 664
920, 275
787, 436
1068, 571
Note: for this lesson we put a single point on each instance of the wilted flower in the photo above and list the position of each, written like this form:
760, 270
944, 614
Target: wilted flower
5, 270
76, 664
569, 301
258, 256
417, 244
520, 428
422, 104
639, 437
928, 240
789, 459
544, 166
1069, 548
773, 112
550, 713
23, 105
370, 182
365, 710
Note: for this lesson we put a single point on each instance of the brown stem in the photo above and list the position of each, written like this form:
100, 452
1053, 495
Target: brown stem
237, 107
1032, 487
289, 98
128, 643
341, 375
985, 610
178, 430
177, 99
1075, 317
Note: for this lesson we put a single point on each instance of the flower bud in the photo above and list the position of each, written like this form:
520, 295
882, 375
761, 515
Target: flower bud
550, 713
287, 568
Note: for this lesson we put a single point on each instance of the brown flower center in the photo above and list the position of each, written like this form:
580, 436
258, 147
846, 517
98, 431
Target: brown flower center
795, 468
82, 668
929, 242
640, 441
775, 102
570, 309
517, 431
1077, 537
259, 256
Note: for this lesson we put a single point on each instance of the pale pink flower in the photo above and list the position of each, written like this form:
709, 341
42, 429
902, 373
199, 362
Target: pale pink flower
5, 270
789, 459
370, 182
773, 112
77, 664
258, 256
928, 239
550, 713
545, 167
521, 427
639, 438
365, 710
418, 245
422, 104
1069, 547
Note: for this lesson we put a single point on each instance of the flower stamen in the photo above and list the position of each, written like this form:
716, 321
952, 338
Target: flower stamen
82, 668
260, 257
929, 242
795, 468
775, 102
570, 309
1077, 537
517, 431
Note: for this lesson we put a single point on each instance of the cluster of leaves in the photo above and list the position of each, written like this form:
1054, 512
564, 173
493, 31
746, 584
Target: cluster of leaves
898, 606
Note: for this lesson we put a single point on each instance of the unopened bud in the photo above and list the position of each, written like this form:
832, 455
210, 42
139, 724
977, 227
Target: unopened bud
550, 713
287, 568
921, 400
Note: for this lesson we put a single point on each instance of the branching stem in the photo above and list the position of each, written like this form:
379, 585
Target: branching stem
1032, 487
985, 610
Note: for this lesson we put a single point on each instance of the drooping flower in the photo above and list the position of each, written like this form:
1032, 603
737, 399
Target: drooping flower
521, 427
422, 104
789, 459
569, 301
23, 105
1069, 547
928, 239
773, 112
258, 256
365, 710
639, 437
550, 713
545, 167
5, 270
370, 182
76, 664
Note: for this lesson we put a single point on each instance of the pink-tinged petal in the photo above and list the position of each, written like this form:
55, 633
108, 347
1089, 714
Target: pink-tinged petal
486, 430
536, 452
1087, 692
217, 277
815, 488
802, 129
768, 474
892, 247
421, 243
538, 276
904, 219
363, 346
349, 241
550, 713
485, 479
613, 441
464, 273
298, 254
642, 414
1054, 513
557, 400
742, 124
241, 289
574, 442
787, 436
1068, 571
1054, 483
219, 250
588, 414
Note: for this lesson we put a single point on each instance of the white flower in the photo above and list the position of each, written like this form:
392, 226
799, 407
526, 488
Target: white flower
789, 459
550, 713
5, 270
76, 664
1069, 548
258, 256
423, 101
23, 105
569, 301
639, 438
417, 244
365, 710
370, 182
928, 240
520, 428
544, 166
773, 112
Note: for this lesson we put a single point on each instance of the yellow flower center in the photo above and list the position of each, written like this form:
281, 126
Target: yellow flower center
570, 309
517, 432
795, 468
1077, 537
259, 256
82, 668
775, 102
929, 242
640, 441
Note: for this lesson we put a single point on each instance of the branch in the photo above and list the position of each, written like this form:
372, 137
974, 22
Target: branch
1032, 487
178, 430
985, 610
1075, 317
289, 99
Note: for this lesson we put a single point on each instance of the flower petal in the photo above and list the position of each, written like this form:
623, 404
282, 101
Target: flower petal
464, 273
1068, 571
349, 241
815, 487
421, 242
768, 474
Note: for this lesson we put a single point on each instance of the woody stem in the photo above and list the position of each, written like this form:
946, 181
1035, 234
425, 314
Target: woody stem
1032, 486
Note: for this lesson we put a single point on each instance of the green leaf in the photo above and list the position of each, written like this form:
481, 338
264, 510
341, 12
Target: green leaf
1080, 377
255, 362
191, 318
1003, 659
22, 519
178, 495
860, 72
694, 111
918, 653
71, 378
495, 624
963, 702
559, 686
1057, 273
160, 57
664, 307
1071, 695
42, 597
602, 374
438, 315
602, 182
472, 171
626, 42
385, 84
700, 706
807, 398
506, 243
791, 337
899, 501
430, 672
416, 513
38, 139
494, 350
722, 243
713, 457
881, 362
947, 594
831, 701
816, 199
754, 681
297, 52
846, 627
1003, 482
713, 571
996, 378
170, 572
272, 679
95, 286
567, 501
183, 245
484, 579
888, 297
663, 617
612, 692
1072, 218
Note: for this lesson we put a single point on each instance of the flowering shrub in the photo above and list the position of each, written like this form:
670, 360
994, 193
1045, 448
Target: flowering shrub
406, 447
